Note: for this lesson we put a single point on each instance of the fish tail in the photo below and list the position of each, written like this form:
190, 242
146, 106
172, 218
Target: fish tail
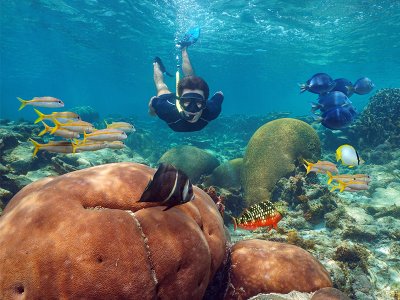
234, 223
23, 103
41, 116
334, 188
330, 177
342, 186
337, 155
315, 106
57, 125
37, 146
46, 129
307, 165
106, 123
84, 137
303, 87
350, 88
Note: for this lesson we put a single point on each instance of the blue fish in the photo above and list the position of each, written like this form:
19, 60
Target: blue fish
345, 86
336, 118
331, 100
319, 83
363, 86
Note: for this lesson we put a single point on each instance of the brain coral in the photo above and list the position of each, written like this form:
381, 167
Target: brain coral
269, 267
271, 154
191, 160
83, 235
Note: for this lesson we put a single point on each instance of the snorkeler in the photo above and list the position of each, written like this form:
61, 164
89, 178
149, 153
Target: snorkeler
190, 109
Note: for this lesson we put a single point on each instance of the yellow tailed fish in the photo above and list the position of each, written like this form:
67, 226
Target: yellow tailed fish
105, 135
320, 167
348, 177
59, 147
76, 126
62, 116
59, 132
41, 102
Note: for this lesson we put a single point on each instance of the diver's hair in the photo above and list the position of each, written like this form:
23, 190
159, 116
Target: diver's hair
193, 83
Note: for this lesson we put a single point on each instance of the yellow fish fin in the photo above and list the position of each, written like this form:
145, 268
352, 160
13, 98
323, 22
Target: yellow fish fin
57, 125
342, 186
37, 147
23, 103
41, 116
84, 137
106, 123
330, 177
308, 165
46, 129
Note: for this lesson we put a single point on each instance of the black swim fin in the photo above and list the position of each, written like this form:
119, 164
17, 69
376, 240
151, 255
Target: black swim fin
162, 67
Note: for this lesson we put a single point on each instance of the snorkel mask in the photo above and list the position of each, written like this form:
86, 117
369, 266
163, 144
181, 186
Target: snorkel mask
191, 106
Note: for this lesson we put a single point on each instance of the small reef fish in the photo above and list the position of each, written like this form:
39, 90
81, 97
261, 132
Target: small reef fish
59, 132
76, 126
319, 83
351, 186
258, 215
330, 100
169, 186
348, 156
59, 147
348, 177
124, 126
337, 117
115, 145
345, 86
41, 102
62, 117
320, 167
363, 86
79, 146
105, 135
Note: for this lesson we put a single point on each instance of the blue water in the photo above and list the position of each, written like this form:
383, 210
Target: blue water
99, 53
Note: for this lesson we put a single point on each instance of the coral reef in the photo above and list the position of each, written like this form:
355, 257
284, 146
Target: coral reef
249, 279
380, 120
89, 233
226, 175
271, 154
191, 160
329, 294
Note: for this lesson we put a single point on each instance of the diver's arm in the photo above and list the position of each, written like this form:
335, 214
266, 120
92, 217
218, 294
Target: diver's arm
186, 65
214, 106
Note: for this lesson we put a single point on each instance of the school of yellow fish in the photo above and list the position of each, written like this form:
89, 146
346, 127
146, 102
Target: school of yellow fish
68, 125
345, 182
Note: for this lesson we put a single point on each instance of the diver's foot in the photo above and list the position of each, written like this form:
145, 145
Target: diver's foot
158, 61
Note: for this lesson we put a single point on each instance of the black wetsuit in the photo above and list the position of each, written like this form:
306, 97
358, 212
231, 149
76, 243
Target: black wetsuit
166, 110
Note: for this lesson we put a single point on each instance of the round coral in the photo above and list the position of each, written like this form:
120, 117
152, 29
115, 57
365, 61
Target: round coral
271, 154
269, 267
84, 235
191, 160
226, 175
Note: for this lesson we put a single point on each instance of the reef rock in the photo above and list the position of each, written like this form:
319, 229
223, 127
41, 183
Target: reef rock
226, 175
271, 154
269, 267
191, 160
84, 235
380, 120
329, 294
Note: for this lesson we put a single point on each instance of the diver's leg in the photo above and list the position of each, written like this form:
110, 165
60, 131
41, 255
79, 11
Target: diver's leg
186, 65
161, 87
158, 76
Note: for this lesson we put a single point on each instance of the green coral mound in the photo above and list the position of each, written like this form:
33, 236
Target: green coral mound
271, 154
226, 175
191, 160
